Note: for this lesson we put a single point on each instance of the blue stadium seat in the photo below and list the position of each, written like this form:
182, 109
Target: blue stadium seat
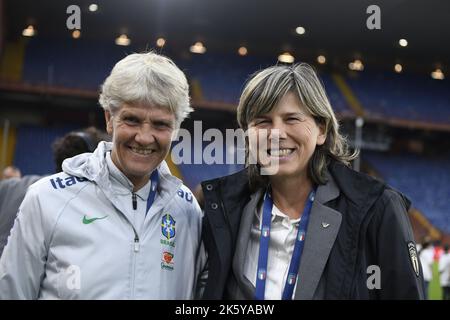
193, 173
77, 64
403, 96
423, 179
33, 152
82, 64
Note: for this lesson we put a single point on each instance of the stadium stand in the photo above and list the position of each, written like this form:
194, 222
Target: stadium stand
402, 96
337, 100
221, 77
71, 64
83, 65
423, 179
194, 173
33, 153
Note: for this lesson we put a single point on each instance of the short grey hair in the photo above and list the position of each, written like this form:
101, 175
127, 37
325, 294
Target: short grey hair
150, 79
262, 93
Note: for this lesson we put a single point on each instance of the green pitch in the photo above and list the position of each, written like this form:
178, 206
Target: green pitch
434, 290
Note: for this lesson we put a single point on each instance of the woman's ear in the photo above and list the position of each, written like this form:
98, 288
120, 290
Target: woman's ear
109, 124
322, 136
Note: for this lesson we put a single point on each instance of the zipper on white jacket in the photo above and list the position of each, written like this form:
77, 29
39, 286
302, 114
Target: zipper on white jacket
134, 201
136, 250
136, 243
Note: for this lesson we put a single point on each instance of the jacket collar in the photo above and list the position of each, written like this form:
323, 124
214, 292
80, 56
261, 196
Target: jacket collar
359, 188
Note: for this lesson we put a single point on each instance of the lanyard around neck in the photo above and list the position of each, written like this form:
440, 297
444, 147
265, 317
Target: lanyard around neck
291, 278
154, 178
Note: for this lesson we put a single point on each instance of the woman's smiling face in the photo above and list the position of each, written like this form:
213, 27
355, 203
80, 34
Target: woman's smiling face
141, 137
297, 133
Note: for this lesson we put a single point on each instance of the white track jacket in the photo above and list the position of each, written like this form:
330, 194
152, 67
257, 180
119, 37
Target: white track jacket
72, 239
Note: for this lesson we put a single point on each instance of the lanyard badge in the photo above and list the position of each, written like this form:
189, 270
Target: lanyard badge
261, 274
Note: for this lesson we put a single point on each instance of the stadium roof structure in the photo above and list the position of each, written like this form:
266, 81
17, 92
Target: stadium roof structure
334, 28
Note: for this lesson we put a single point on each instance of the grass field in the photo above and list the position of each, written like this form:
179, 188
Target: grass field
434, 290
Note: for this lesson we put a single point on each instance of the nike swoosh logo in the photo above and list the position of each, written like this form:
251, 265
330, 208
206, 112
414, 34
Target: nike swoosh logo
86, 220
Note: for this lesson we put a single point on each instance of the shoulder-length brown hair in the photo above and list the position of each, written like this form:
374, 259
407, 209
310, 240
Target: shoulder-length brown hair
262, 93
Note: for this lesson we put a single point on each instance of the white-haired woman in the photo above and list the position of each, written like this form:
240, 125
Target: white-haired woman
115, 224
309, 227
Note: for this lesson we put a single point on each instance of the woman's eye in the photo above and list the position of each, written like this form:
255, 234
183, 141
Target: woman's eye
131, 120
294, 119
162, 125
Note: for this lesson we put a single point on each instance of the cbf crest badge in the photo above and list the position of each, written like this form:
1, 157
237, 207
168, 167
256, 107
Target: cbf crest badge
413, 256
168, 226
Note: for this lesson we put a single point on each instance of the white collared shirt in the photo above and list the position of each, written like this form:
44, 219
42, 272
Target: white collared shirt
283, 233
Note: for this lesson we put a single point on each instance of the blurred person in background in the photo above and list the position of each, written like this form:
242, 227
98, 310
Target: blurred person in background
75, 143
444, 272
314, 228
12, 191
11, 172
115, 224
438, 250
426, 255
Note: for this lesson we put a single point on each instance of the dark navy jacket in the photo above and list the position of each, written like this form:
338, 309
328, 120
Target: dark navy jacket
374, 230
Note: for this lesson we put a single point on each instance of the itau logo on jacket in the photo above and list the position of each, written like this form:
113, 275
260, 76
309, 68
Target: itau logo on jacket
59, 183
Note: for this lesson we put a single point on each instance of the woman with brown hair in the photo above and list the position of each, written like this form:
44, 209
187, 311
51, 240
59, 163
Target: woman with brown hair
312, 228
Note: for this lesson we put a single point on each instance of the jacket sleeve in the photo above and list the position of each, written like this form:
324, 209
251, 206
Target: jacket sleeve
201, 266
202, 272
401, 273
23, 260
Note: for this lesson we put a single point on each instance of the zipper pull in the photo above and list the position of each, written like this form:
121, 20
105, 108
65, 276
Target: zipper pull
134, 201
136, 244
